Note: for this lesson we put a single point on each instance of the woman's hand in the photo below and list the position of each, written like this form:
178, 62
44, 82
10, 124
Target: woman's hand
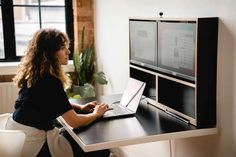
100, 109
86, 108
89, 107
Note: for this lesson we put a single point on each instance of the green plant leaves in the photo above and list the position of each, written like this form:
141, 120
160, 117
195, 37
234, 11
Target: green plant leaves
76, 61
100, 78
84, 63
88, 57
82, 38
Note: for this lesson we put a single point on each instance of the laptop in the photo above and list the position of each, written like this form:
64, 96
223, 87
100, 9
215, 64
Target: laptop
129, 101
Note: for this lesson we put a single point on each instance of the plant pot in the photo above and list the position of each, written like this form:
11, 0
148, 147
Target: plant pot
84, 91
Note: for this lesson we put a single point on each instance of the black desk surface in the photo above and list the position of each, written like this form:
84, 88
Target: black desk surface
149, 124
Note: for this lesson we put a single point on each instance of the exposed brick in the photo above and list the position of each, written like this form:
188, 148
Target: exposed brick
83, 17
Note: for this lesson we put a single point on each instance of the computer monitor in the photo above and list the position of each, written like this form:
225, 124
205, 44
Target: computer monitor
176, 48
143, 43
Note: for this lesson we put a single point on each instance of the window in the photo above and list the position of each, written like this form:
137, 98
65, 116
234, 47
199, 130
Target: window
2, 55
19, 19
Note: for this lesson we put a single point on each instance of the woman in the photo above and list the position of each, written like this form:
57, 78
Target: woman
42, 98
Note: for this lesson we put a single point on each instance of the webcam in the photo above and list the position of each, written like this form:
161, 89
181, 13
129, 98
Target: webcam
160, 14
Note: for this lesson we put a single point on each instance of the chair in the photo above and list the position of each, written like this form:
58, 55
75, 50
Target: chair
3, 120
11, 141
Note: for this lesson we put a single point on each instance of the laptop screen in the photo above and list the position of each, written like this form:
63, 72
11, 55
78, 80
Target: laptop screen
132, 94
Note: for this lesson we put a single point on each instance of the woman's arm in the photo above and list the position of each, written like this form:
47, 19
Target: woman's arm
87, 108
77, 120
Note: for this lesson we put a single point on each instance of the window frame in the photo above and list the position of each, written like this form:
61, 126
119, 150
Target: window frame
9, 28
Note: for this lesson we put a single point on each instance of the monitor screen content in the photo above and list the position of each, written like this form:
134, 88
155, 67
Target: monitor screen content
143, 43
176, 48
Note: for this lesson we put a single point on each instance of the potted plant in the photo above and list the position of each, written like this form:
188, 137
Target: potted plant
85, 74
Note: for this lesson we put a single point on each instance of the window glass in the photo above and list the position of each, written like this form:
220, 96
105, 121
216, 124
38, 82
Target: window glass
25, 2
42, 2
20, 19
53, 2
2, 56
49, 20
26, 23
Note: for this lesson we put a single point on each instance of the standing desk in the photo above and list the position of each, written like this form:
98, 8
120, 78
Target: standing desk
149, 124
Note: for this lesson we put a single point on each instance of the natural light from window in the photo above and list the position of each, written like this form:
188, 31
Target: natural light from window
30, 15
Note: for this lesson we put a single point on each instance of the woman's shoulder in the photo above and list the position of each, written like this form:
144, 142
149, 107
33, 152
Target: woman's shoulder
50, 79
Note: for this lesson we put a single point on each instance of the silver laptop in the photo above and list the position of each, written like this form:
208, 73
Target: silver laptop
129, 101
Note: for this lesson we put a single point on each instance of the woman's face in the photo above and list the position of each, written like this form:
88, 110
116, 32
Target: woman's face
63, 56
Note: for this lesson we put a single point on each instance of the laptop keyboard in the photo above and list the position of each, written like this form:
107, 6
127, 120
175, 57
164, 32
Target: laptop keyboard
117, 109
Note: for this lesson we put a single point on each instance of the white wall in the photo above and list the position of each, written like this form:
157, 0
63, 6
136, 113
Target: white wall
111, 38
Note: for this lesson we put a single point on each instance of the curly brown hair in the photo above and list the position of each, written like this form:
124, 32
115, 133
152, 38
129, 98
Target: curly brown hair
41, 58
